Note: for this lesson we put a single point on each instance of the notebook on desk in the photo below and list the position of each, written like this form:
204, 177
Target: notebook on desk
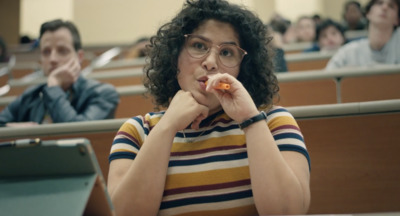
55, 177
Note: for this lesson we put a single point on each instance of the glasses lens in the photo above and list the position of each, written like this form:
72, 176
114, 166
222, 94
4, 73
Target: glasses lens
197, 47
230, 55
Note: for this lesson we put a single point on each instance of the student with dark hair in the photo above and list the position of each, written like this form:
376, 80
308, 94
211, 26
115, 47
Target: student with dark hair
383, 43
221, 147
3, 51
329, 36
67, 96
353, 16
138, 48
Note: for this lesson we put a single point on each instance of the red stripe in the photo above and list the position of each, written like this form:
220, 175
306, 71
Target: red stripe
285, 127
219, 148
130, 137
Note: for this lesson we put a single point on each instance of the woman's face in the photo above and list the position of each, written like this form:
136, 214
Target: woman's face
193, 72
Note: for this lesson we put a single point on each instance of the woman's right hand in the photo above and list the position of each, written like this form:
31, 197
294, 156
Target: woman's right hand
184, 110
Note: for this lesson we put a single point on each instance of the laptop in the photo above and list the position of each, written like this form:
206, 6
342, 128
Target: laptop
54, 177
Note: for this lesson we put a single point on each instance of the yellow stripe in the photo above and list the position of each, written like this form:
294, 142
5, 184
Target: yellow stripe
228, 140
152, 121
129, 128
123, 150
281, 120
207, 177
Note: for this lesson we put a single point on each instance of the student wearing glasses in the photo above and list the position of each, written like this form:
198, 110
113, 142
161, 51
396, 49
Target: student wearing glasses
220, 147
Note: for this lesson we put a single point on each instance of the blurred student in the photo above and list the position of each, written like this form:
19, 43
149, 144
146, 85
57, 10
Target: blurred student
280, 64
3, 51
330, 36
353, 16
383, 43
138, 49
67, 96
303, 31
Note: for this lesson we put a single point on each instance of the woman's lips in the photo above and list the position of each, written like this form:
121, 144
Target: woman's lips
202, 84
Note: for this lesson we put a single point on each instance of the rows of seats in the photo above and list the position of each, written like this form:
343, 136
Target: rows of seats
300, 88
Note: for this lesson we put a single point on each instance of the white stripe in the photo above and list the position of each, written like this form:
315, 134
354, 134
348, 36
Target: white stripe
208, 166
124, 146
208, 154
291, 141
214, 134
278, 114
287, 130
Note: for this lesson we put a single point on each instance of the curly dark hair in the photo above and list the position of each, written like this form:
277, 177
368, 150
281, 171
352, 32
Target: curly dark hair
256, 70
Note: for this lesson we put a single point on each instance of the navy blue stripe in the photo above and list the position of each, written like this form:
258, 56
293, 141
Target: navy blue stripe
206, 199
277, 110
288, 135
125, 141
210, 159
195, 134
301, 150
121, 155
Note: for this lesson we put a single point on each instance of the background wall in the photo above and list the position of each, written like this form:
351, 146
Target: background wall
34, 12
9, 21
123, 21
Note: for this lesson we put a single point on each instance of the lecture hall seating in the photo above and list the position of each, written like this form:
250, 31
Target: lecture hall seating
300, 88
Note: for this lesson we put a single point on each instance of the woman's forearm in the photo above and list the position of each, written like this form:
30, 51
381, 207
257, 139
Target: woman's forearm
140, 190
278, 186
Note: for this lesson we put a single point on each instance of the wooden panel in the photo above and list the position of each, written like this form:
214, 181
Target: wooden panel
133, 105
355, 163
379, 87
307, 65
124, 81
307, 93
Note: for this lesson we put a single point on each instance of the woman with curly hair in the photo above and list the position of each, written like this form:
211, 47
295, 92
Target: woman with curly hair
220, 147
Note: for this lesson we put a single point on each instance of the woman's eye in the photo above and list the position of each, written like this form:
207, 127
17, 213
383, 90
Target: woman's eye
226, 52
199, 46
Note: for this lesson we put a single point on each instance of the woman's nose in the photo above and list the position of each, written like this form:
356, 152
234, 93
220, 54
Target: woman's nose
210, 62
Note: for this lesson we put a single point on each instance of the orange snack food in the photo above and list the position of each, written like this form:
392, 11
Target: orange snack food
221, 85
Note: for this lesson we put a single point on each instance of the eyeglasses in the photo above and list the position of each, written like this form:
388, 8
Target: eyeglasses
230, 55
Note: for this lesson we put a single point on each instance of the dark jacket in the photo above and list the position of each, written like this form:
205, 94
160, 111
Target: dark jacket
87, 100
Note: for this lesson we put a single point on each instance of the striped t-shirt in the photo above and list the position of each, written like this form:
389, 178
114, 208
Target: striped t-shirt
210, 174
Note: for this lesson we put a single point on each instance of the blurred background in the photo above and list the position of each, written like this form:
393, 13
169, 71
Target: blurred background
104, 22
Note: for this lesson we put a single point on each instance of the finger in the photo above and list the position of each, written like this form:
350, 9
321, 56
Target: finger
196, 122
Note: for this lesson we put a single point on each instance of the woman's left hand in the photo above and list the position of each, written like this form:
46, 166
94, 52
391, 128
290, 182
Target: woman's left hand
236, 101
